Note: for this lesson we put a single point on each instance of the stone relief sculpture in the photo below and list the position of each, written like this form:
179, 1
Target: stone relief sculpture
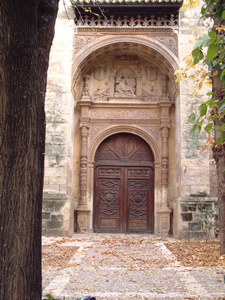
101, 95
150, 96
125, 84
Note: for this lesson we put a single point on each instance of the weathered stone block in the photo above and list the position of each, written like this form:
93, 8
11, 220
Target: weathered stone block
56, 224
46, 215
186, 217
184, 208
56, 217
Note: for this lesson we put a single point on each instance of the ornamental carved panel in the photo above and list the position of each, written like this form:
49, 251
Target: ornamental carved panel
123, 114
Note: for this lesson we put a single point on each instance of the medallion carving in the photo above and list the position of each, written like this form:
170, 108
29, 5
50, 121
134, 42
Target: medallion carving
109, 197
83, 41
138, 198
169, 42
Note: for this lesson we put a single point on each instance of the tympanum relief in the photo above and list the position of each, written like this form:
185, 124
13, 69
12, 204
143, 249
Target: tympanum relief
125, 78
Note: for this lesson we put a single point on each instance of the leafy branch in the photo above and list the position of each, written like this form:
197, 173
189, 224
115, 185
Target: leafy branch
210, 51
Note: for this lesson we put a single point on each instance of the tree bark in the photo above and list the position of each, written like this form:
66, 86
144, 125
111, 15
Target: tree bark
26, 33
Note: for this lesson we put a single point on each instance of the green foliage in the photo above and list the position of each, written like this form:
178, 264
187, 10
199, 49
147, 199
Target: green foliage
210, 50
193, 145
210, 220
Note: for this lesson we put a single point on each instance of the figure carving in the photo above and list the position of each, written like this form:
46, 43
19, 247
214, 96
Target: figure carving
125, 82
100, 95
150, 96
125, 86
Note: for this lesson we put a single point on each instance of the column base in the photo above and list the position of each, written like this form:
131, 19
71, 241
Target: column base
82, 220
164, 221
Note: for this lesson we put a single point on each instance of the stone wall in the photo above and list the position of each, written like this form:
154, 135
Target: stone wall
188, 215
57, 199
197, 172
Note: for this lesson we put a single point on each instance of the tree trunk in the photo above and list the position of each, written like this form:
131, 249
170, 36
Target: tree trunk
219, 156
26, 33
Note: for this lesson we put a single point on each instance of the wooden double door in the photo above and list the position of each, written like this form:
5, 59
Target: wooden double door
124, 185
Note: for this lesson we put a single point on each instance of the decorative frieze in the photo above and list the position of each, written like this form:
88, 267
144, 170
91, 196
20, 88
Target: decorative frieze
123, 114
151, 21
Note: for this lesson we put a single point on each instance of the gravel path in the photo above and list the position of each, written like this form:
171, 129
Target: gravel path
120, 266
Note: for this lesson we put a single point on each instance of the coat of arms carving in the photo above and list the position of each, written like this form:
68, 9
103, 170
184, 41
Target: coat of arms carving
99, 73
151, 74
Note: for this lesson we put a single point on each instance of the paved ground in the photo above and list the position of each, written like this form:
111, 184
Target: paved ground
129, 267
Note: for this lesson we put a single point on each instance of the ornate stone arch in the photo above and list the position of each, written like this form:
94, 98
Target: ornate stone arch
82, 58
120, 129
148, 41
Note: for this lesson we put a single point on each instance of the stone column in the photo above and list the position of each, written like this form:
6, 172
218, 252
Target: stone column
164, 212
82, 209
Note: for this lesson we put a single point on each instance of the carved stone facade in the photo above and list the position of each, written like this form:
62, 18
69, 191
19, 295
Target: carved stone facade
119, 78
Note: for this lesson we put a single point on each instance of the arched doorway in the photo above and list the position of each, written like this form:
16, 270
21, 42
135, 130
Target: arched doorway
124, 185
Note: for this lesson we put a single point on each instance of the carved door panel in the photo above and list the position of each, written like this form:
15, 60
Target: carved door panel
124, 185
139, 194
108, 192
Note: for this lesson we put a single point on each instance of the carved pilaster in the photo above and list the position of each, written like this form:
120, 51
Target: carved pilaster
164, 212
83, 166
82, 209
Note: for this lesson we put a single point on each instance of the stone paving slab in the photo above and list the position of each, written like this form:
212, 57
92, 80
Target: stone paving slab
130, 267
